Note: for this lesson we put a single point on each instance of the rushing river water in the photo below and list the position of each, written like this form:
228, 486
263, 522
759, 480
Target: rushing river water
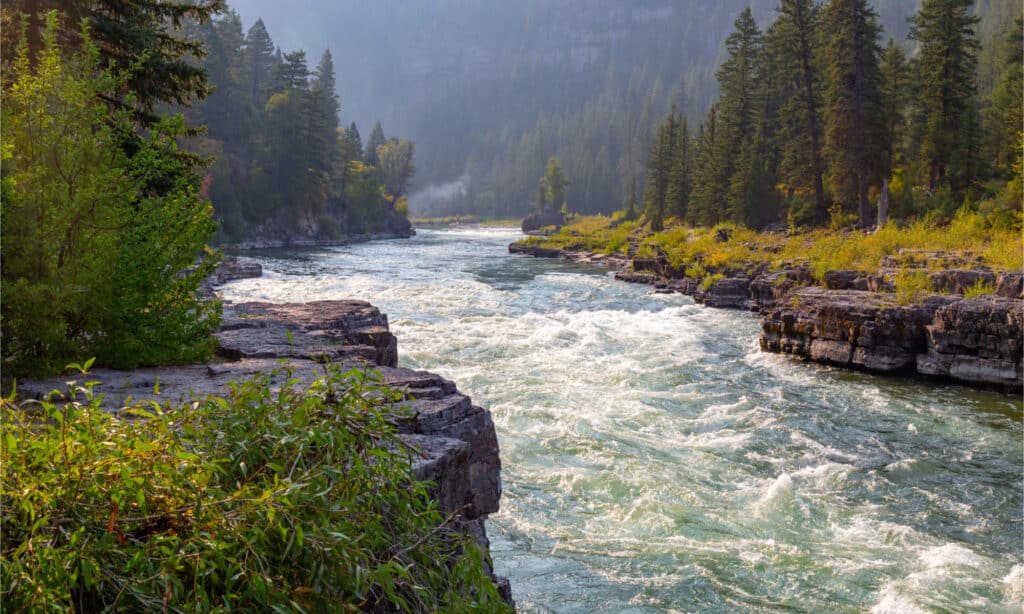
656, 461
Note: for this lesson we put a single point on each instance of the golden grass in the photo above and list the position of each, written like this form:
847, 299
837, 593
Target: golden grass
698, 250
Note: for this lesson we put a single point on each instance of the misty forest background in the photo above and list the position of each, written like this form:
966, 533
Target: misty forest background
489, 91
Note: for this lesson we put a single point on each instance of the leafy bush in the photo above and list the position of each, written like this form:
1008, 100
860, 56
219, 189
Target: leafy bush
99, 242
711, 280
981, 288
911, 286
270, 499
838, 219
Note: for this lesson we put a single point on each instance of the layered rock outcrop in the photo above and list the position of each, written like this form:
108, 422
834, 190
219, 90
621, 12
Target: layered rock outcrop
966, 340
455, 443
852, 319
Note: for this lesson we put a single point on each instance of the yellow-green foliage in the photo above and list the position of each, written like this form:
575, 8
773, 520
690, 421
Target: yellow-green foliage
274, 498
592, 232
980, 289
711, 280
698, 250
911, 286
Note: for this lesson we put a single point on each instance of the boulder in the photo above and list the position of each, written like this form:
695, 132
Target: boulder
1010, 285
958, 281
976, 340
850, 328
729, 293
536, 252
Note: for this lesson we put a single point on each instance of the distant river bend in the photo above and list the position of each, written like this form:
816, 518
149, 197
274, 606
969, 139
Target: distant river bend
656, 461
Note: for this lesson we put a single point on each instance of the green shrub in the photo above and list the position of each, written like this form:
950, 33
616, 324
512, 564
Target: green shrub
980, 288
710, 280
838, 219
274, 498
911, 286
101, 223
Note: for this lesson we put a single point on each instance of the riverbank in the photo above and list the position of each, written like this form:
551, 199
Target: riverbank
454, 439
947, 314
299, 242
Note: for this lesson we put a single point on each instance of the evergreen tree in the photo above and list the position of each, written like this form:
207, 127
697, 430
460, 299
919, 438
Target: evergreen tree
660, 163
259, 59
680, 177
738, 108
137, 37
704, 206
795, 40
854, 117
896, 94
376, 140
354, 140
948, 47
1003, 118
99, 242
292, 73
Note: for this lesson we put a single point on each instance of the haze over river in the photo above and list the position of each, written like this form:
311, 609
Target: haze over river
656, 461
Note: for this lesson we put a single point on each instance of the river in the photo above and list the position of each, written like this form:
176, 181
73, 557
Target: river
656, 461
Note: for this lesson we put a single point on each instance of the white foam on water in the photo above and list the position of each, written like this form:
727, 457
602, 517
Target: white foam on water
905, 464
824, 450
892, 602
949, 555
867, 532
824, 471
1013, 583
781, 487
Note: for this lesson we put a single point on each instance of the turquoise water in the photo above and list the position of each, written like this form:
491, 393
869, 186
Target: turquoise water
656, 461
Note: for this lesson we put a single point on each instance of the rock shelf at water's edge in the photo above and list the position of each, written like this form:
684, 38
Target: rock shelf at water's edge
854, 320
456, 440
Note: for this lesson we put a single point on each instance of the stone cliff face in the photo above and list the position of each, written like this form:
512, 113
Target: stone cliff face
455, 440
967, 340
392, 226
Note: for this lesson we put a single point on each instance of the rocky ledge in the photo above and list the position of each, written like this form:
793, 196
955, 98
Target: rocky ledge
973, 341
454, 439
853, 319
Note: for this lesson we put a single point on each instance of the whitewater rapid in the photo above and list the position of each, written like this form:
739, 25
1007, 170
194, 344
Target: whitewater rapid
656, 461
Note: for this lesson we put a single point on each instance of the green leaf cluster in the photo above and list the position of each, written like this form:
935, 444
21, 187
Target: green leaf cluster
101, 221
275, 497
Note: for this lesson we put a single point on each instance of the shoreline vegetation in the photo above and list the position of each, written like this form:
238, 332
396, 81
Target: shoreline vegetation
301, 496
452, 221
936, 301
702, 252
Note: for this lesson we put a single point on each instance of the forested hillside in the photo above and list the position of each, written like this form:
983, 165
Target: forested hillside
817, 122
283, 170
490, 90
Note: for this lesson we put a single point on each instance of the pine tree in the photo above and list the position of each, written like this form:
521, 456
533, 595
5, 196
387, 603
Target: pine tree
259, 59
795, 39
896, 84
1003, 119
292, 73
948, 48
739, 107
376, 140
854, 117
660, 163
706, 201
138, 35
680, 177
